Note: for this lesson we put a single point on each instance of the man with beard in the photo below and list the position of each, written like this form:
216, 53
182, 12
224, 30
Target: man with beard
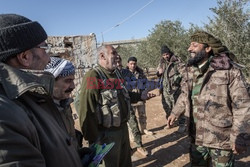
169, 71
215, 99
104, 106
64, 71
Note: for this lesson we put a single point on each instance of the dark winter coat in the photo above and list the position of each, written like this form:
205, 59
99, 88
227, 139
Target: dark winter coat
32, 132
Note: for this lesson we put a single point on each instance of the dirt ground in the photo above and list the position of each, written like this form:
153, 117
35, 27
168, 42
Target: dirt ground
167, 147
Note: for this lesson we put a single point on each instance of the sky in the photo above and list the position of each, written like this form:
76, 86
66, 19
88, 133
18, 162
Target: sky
110, 20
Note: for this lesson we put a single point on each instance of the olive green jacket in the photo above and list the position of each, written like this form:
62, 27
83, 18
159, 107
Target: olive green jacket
89, 100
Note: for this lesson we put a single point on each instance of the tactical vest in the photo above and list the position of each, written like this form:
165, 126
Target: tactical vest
109, 107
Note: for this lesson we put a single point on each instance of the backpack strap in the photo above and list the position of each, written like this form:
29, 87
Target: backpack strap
119, 76
101, 74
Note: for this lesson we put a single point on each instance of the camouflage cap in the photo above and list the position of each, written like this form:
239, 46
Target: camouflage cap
206, 38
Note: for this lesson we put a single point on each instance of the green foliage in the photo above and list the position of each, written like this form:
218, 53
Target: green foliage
231, 25
125, 52
167, 33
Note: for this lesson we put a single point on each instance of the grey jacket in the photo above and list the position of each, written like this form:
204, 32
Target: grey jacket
32, 132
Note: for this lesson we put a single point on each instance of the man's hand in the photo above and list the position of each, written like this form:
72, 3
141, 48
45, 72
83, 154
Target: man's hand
171, 119
160, 71
237, 149
145, 95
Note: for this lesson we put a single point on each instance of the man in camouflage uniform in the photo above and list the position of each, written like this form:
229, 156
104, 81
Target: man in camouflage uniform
134, 131
140, 80
215, 99
169, 71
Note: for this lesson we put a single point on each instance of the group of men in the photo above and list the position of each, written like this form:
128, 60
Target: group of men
36, 125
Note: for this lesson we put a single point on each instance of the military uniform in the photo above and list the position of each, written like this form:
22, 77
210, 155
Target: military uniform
200, 156
132, 122
96, 104
139, 79
217, 104
171, 80
134, 129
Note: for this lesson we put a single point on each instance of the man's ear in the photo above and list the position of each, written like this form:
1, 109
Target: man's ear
102, 56
208, 49
25, 58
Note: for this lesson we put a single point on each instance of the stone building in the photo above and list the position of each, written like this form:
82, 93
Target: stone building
79, 49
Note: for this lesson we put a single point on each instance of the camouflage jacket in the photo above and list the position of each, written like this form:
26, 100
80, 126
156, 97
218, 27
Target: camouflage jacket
172, 76
223, 105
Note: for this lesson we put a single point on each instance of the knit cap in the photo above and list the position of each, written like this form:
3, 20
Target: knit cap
18, 34
165, 49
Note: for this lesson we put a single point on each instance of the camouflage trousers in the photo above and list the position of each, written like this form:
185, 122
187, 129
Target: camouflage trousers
203, 157
133, 123
140, 111
134, 130
168, 102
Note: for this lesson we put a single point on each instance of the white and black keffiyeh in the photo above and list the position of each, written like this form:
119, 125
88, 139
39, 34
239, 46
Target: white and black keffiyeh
60, 67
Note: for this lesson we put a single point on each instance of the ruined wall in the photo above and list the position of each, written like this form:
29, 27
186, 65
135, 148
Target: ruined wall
80, 50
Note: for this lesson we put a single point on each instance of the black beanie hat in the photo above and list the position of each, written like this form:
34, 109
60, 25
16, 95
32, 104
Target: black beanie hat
132, 59
18, 34
165, 49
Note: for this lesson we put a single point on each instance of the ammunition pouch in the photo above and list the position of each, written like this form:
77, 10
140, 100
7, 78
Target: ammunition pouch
109, 113
109, 108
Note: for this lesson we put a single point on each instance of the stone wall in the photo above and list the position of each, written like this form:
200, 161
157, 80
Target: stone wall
80, 50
